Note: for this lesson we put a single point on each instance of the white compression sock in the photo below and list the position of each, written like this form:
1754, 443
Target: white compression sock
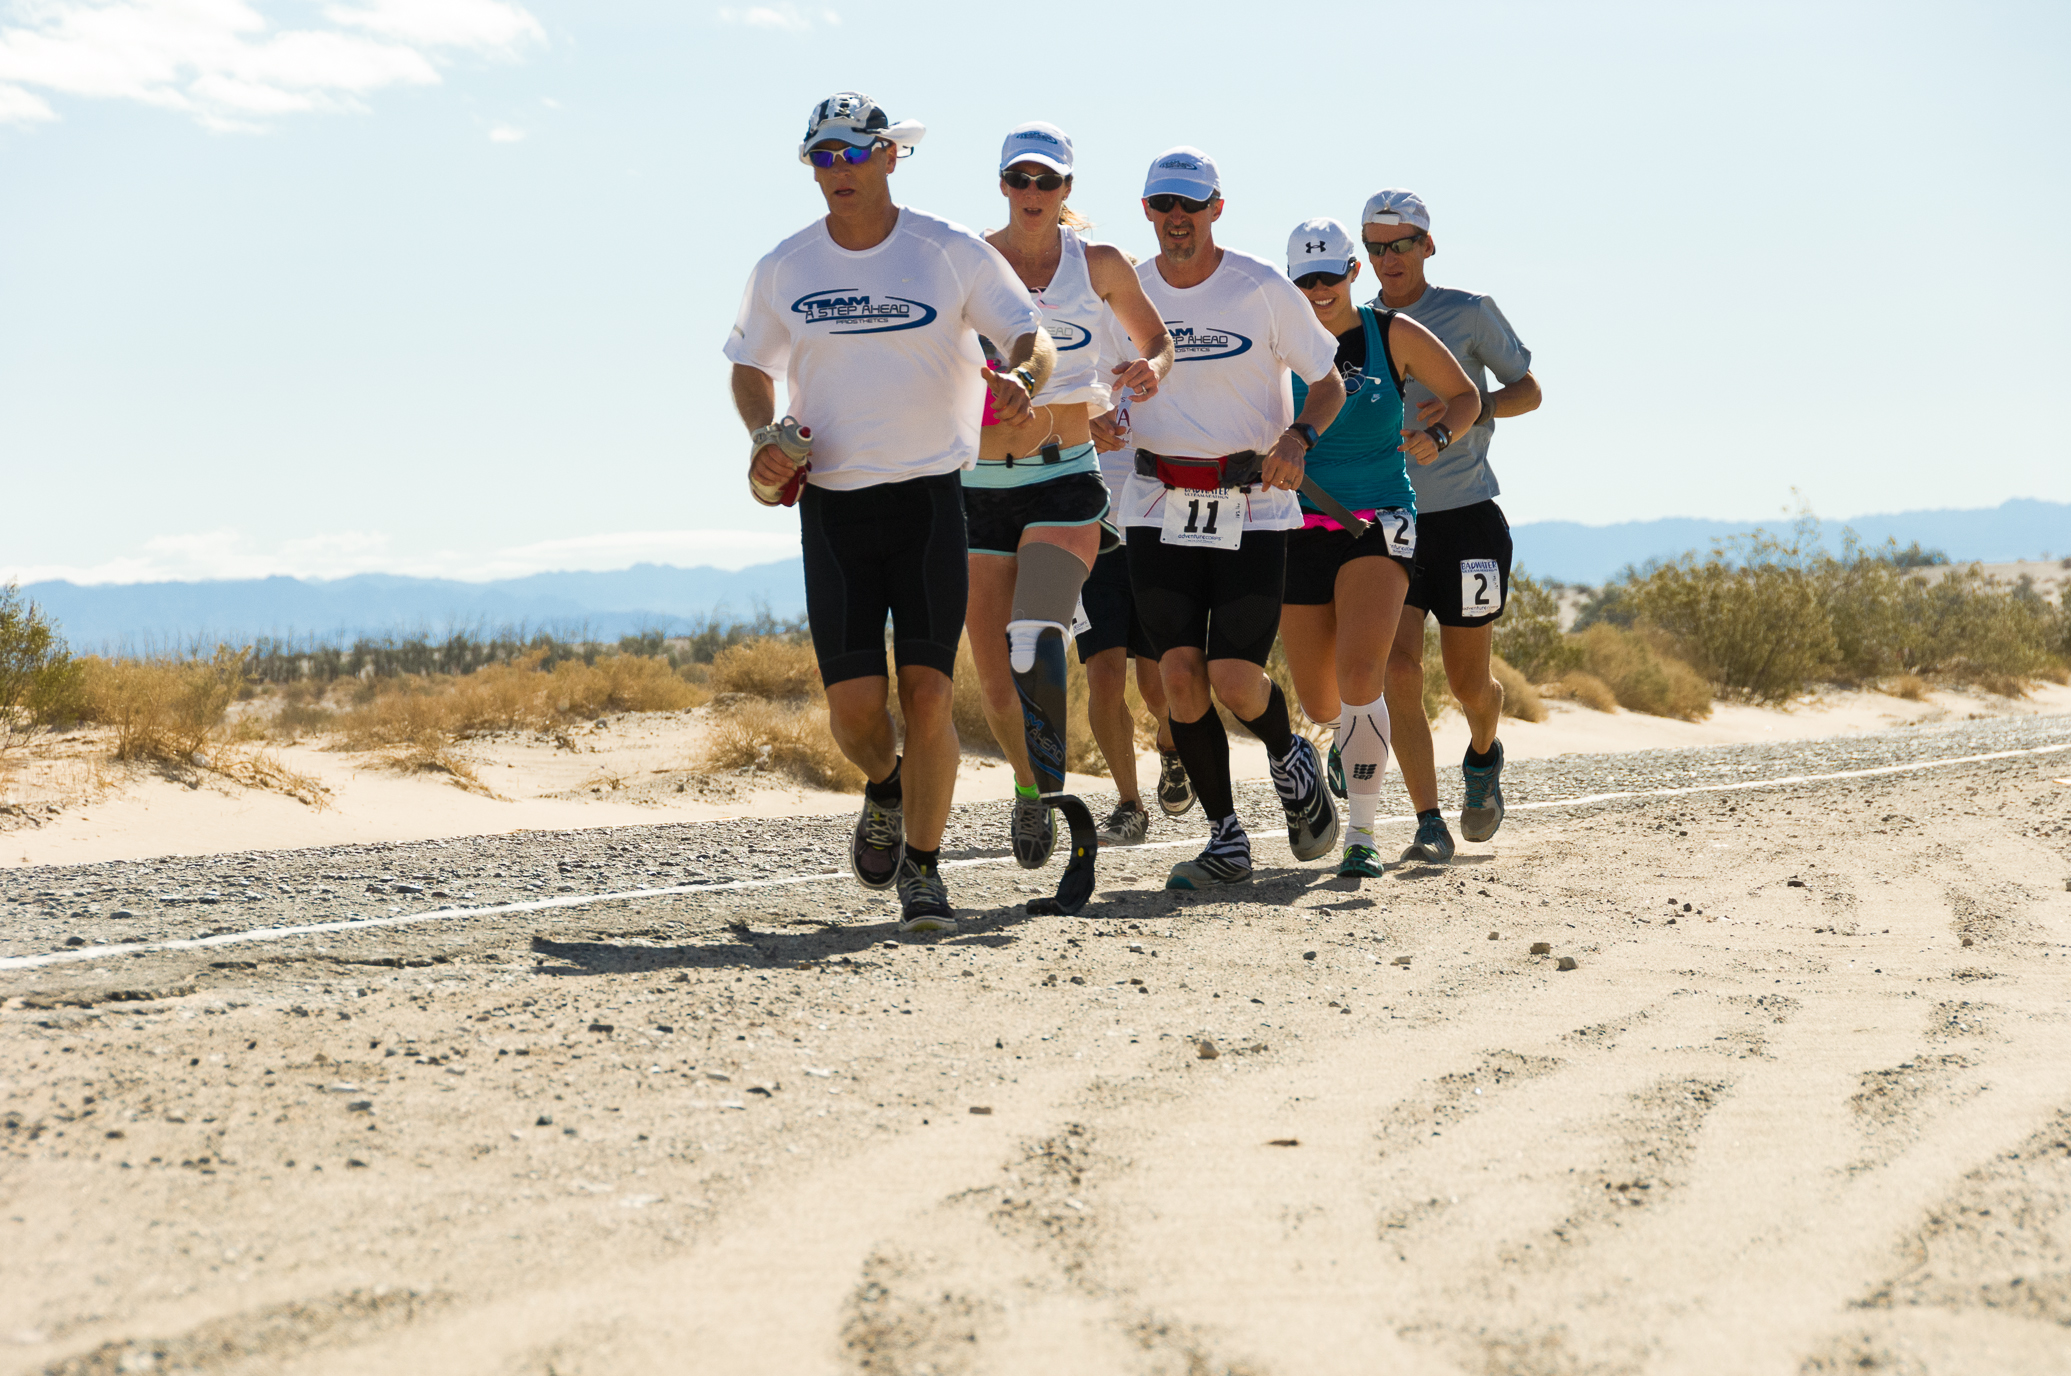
1362, 741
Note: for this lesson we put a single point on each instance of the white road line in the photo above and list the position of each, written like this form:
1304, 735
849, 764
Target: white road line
741, 885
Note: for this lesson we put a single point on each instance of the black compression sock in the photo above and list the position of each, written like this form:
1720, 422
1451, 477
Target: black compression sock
1272, 725
1204, 748
926, 859
1480, 759
889, 791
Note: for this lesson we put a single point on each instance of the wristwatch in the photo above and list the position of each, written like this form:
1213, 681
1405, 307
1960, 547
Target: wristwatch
1025, 378
1306, 433
1440, 436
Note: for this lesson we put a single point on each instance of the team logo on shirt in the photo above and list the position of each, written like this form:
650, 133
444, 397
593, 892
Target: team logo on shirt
849, 305
1067, 336
1191, 345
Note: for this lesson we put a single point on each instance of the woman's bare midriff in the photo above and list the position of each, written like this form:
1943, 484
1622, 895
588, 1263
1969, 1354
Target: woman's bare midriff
1063, 426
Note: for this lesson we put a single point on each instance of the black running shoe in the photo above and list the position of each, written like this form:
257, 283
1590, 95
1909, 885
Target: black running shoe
923, 899
880, 844
1312, 818
1482, 811
1175, 789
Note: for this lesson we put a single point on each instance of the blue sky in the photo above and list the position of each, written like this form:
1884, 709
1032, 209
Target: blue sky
439, 286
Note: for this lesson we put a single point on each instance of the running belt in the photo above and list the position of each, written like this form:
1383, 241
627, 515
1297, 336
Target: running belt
1240, 469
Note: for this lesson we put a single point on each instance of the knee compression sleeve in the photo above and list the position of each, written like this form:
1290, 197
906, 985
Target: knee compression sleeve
1047, 580
1362, 742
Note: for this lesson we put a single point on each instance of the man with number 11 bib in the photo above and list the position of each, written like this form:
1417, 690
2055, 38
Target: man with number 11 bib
1220, 450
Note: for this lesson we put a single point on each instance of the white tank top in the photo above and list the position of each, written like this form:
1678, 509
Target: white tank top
1072, 313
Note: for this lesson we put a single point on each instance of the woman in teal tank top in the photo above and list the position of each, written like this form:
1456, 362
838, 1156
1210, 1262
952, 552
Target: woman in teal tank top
1344, 592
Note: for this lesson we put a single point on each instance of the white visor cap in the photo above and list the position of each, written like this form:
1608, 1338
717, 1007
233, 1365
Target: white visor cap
855, 119
1037, 142
1395, 206
1183, 171
1320, 246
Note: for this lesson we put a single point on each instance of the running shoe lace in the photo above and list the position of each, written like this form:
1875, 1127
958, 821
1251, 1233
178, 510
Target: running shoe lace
881, 829
1478, 782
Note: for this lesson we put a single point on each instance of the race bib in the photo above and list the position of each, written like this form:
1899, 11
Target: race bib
1401, 528
1210, 519
1481, 587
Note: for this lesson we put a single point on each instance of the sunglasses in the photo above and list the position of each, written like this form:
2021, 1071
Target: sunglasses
1164, 201
1310, 280
1021, 181
852, 155
1377, 247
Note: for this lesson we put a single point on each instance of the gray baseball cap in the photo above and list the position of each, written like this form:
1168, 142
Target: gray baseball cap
1395, 206
1183, 171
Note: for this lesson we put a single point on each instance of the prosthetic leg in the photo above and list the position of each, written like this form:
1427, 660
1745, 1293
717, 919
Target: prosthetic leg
1048, 580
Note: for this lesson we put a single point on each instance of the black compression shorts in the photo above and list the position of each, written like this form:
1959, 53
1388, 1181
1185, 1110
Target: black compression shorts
997, 516
1224, 601
892, 549
1111, 607
1315, 554
1462, 573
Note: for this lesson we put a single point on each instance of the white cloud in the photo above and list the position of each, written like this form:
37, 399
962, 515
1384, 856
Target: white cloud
506, 133
787, 17
225, 63
228, 553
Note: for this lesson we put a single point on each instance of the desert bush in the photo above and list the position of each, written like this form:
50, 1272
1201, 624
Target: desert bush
768, 667
623, 683
1911, 687
39, 680
1528, 636
1642, 676
522, 695
1579, 685
1520, 699
161, 708
788, 739
1750, 617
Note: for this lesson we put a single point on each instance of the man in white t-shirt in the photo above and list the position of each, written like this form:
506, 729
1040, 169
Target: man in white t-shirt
872, 316
1219, 454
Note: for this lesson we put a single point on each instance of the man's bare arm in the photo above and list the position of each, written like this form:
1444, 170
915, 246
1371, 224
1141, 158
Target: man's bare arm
1517, 399
755, 397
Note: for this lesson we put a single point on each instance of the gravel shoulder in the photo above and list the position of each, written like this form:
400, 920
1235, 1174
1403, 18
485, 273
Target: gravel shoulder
1798, 1106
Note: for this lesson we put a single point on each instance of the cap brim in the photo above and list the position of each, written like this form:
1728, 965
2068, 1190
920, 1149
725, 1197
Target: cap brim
1044, 158
1304, 268
1180, 186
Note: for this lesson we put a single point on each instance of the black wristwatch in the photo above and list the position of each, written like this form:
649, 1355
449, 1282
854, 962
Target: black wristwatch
1306, 433
1440, 436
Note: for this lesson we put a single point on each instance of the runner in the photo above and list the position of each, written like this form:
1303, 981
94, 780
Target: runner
1035, 501
872, 316
1462, 572
1114, 635
1345, 588
1210, 505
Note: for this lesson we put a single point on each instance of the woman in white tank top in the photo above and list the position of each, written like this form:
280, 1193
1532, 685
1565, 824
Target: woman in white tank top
1037, 482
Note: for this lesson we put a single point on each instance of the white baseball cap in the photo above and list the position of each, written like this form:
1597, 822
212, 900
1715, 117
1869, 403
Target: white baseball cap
1395, 206
855, 119
1183, 171
1037, 142
1320, 246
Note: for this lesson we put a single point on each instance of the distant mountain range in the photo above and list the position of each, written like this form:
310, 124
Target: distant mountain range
606, 606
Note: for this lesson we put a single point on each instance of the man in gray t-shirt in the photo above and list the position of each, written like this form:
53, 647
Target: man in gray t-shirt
1462, 566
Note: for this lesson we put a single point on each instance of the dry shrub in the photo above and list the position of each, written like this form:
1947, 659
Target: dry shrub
1642, 676
430, 710
1578, 685
436, 758
1438, 694
39, 679
1520, 699
260, 769
623, 683
1529, 635
299, 718
1911, 687
967, 705
753, 733
161, 708
770, 667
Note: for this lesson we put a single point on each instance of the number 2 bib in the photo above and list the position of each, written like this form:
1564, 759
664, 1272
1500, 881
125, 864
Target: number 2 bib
1203, 519
1481, 587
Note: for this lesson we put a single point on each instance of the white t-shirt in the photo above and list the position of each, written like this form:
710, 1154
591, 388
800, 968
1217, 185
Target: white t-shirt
1235, 337
1116, 348
879, 349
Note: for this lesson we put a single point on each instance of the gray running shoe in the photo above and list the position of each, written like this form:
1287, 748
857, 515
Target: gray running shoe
1175, 789
1312, 818
923, 899
1482, 811
1034, 832
1433, 846
1127, 825
879, 845
1227, 860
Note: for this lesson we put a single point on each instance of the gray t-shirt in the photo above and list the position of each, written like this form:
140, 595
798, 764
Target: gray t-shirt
1475, 330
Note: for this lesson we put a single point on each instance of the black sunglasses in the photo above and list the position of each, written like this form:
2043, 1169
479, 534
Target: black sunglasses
1377, 247
1047, 181
1310, 280
1165, 200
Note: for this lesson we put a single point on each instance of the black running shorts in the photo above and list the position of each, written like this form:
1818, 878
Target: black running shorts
998, 515
1462, 573
892, 549
1111, 607
1316, 553
1225, 601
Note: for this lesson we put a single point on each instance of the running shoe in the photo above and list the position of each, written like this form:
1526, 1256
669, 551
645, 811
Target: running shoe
1227, 860
1034, 832
1482, 812
1175, 789
1360, 862
1312, 818
923, 899
1336, 772
880, 844
1127, 825
1434, 844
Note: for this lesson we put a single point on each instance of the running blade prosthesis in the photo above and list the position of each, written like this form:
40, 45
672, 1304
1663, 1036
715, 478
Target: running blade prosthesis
1042, 694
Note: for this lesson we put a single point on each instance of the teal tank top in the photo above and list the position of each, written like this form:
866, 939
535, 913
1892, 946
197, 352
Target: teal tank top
1358, 460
